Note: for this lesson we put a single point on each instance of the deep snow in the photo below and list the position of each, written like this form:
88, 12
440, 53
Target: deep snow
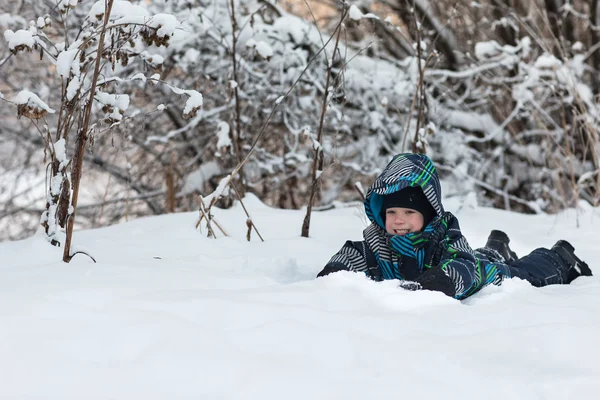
168, 314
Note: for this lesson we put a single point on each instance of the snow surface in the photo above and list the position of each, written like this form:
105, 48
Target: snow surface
168, 314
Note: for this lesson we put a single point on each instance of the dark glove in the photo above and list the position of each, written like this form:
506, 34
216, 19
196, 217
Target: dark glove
432, 279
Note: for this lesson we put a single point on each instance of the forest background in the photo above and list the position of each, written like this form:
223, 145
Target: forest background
160, 106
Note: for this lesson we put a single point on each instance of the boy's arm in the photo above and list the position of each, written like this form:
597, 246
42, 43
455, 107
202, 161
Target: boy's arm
458, 262
351, 257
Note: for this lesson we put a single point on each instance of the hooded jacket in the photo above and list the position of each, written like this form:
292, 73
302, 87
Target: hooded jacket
436, 258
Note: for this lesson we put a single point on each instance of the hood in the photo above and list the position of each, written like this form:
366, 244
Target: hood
404, 170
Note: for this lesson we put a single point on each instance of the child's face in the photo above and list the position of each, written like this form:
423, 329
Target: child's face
400, 221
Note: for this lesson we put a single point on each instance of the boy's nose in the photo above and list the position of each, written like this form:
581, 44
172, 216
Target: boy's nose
398, 219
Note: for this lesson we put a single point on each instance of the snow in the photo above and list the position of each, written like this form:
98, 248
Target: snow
354, 13
194, 101
139, 76
118, 104
32, 100
195, 181
60, 150
165, 24
121, 8
120, 101
264, 50
547, 60
40, 23
73, 87
68, 61
221, 190
19, 38
155, 59
223, 139
485, 50
169, 313
297, 29
64, 4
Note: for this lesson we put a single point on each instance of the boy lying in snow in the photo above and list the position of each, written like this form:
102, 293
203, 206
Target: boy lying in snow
411, 238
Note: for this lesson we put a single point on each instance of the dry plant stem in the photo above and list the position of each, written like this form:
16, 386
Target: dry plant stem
568, 154
419, 93
238, 125
412, 107
83, 252
220, 228
104, 198
205, 215
318, 160
5, 59
360, 191
170, 183
246, 211
419, 90
82, 135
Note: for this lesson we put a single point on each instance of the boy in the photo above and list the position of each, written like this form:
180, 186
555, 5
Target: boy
411, 238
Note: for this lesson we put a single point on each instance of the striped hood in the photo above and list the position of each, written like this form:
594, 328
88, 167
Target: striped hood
404, 170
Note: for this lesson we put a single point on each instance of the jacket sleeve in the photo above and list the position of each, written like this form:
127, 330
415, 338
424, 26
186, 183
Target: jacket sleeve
351, 257
460, 264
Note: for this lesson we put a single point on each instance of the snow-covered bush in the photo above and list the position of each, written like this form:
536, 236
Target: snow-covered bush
503, 108
93, 61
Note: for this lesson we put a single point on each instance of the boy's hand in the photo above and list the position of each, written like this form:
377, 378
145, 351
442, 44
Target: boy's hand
433, 279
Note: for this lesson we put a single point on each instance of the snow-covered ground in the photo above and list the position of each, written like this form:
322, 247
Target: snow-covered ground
168, 314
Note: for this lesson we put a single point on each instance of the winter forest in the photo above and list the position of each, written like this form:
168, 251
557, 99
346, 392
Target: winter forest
117, 109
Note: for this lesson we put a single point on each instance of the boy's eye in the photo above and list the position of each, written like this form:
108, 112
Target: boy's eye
409, 212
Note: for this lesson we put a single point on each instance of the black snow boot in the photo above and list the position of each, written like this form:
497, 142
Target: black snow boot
577, 267
498, 241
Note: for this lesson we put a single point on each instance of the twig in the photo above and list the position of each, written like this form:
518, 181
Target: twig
83, 252
247, 214
238, 123
318, 159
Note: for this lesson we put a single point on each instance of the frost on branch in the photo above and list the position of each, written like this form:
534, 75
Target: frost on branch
29, 105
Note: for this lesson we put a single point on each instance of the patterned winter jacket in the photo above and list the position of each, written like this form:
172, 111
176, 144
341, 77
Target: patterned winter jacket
437, 258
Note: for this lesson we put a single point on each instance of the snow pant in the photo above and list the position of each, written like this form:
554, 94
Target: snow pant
541, 267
